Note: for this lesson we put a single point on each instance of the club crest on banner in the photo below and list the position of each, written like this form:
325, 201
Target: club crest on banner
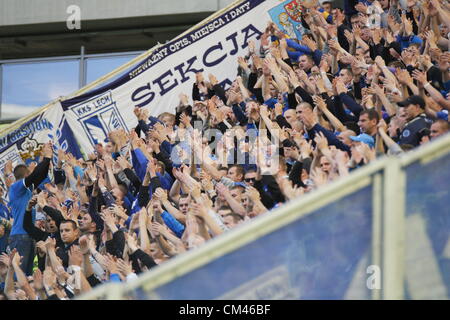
287, 16
30, 149
99, 116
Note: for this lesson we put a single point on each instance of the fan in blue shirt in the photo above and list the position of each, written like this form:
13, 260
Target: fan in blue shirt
20, 194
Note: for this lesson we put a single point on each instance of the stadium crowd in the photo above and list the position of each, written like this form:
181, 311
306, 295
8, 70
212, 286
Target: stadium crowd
369, 80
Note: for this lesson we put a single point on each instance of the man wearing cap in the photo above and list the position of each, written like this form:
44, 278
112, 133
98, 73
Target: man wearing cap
417, 120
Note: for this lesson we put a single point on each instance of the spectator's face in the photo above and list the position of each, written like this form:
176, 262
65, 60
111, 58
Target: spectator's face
85, 223
168, 121
366, 125
365, 34
402, 118
304, 63
233, 174
157, 206
437, 130
50, 225
345, 76
392, 127
288, 152
384, 4
236, 194
117, 193
223, 172
412, 111
223, 213
302, 112
109, 147
325, 165
273, 91
414, 50
367, 58
444, 31
184, 205
312, 79
40, 224
251, 105
68, 233
229, 222
280, 97
155, 251
359, 53
250, 178
234, 86
315, 70
304, 176
245, 202
355, 22
290, 117
327, 7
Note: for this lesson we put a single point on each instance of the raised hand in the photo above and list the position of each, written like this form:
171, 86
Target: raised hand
75, 256
84, 244
38, 280
340, 86
124, 268
380, 62
111, 263
321, 141
349, 36
382, 126
108, 217
319, 102
253, 194
8, 168
160, 194
222, 189
420, 76
324, 63
311, 44
50, 244
32, 202
251, 47
198, 210
403, 76
212, 79
361, 7
318, 177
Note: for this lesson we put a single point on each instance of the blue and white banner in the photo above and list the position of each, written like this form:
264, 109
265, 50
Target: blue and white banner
158, 80
23, 144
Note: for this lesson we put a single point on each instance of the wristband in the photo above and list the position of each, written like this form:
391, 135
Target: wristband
426, 85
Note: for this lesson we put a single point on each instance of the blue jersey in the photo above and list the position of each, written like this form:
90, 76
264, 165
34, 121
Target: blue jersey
19, 195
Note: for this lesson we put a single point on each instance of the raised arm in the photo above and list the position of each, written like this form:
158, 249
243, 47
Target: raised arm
41, 171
